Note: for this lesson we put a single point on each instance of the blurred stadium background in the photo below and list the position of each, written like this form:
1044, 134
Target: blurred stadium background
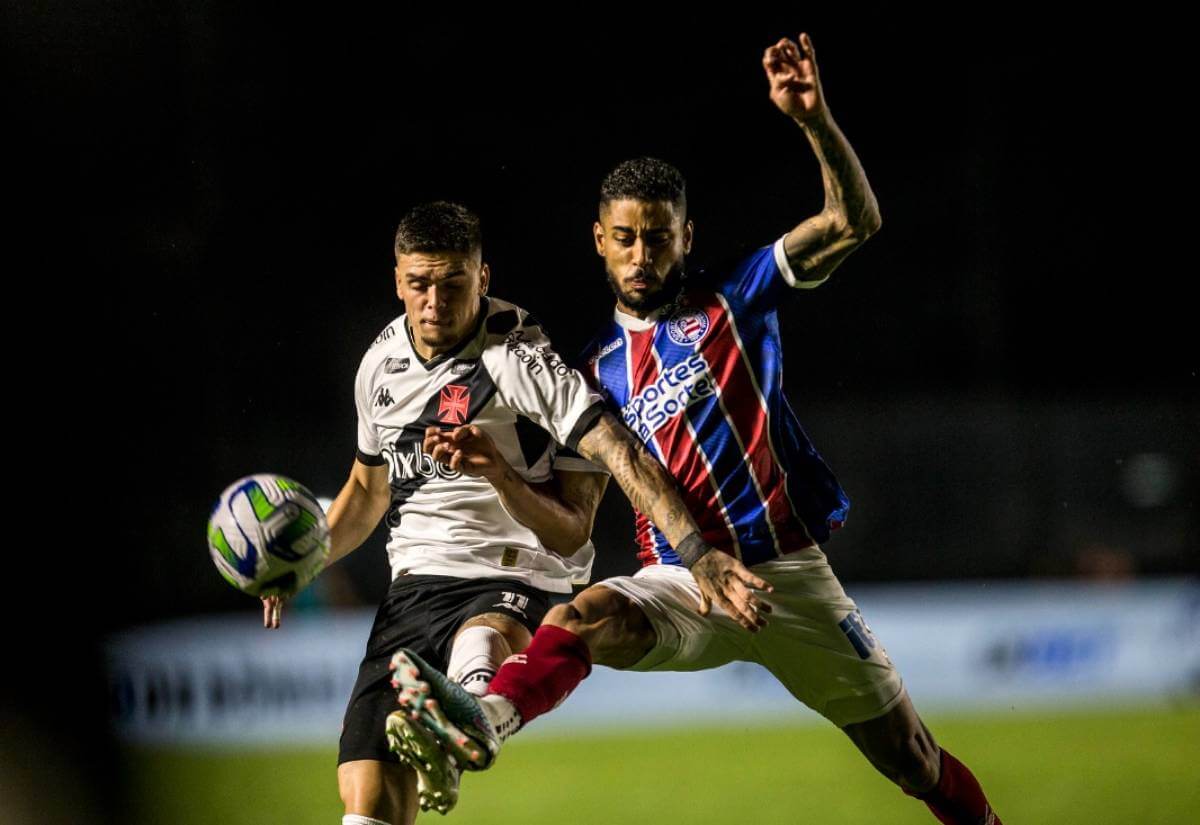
1004, 379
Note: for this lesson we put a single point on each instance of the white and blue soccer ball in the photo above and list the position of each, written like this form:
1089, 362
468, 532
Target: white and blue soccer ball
268, 535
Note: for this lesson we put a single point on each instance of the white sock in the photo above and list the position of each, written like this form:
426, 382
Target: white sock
476, 656
503, 715
355, 819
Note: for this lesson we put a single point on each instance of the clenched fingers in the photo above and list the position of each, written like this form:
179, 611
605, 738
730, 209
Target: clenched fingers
272, 609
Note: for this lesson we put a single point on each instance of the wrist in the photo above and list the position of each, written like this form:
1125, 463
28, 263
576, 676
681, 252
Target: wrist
503, 476
692, 549
817, 119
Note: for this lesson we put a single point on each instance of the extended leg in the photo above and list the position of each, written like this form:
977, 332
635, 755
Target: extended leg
901, 748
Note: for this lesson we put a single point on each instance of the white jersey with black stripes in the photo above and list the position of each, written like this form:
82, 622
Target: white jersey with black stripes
504, 378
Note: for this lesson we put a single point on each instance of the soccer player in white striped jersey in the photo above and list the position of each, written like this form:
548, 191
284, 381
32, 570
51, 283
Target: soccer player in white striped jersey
470, 582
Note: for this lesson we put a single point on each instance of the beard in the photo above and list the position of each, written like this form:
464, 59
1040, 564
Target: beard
657, 294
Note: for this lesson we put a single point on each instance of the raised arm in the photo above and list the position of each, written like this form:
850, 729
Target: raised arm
850, 215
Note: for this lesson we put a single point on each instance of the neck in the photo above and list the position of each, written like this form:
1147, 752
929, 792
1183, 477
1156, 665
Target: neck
636, 313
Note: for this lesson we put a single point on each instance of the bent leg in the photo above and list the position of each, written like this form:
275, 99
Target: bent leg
615, 630
380, 790
480, 646
598, 625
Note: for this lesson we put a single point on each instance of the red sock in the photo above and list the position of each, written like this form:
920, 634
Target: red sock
957, 799
539, 679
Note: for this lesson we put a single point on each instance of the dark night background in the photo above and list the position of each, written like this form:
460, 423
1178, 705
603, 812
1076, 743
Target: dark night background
223, 186
1017, 329
206, 196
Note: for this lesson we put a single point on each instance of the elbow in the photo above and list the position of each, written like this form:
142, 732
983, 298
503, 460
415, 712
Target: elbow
571, 535
869, 220
865, 224
565, 545
848, 231
870, 224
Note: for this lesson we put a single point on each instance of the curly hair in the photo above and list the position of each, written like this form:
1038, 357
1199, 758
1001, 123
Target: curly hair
645, 179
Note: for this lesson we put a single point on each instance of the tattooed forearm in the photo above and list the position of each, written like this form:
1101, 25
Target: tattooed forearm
851, 214
650, 489
848, 196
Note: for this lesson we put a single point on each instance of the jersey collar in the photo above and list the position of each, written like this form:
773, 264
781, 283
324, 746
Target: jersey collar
470, 338
636, 324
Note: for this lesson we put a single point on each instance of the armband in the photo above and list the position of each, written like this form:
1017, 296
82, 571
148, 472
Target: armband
691, 549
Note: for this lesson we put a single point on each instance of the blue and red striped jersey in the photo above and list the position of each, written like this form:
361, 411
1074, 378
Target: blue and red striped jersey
700, 382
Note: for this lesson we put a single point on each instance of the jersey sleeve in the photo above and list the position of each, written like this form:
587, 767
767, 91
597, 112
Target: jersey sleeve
567, 460
369, 450
535, 382
762, 278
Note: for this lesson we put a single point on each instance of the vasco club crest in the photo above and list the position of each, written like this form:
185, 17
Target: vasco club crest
453, 404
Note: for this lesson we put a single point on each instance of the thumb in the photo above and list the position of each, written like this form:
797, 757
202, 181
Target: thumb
705, 604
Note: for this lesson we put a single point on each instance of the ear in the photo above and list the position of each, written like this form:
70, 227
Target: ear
485, 278
688, 229
399, 293
598, 237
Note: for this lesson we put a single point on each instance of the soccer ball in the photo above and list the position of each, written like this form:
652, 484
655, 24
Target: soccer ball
268, 535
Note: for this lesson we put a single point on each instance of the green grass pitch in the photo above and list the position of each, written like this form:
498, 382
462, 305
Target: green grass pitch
1129, 766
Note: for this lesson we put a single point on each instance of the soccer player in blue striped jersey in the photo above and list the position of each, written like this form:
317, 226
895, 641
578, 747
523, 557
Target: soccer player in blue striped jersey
693, 367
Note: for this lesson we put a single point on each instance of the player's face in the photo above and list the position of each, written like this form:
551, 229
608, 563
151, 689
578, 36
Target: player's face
440, 291
643, 244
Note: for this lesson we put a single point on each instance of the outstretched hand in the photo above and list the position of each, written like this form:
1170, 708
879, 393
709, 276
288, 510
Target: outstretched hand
792, 73
725, 581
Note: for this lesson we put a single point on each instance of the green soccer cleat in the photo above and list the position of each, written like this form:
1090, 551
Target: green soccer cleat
445, 710
437, 772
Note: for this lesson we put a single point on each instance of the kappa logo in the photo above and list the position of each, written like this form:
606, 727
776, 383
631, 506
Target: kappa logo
454, 403
383, 398
687, 326
394, 365
462, 367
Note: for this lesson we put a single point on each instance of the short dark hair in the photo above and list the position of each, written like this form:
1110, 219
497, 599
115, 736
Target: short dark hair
645, 179
440, 226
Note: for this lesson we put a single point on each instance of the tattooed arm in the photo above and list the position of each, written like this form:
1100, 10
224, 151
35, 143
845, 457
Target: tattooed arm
850, 215
651, 490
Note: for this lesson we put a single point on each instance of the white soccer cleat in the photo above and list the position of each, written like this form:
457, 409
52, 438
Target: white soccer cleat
445, 710
437, 772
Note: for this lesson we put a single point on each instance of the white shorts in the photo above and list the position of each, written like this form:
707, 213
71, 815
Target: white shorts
816, 642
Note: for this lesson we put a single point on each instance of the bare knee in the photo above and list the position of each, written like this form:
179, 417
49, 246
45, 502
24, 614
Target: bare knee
615, 630
380, 790
514, 633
